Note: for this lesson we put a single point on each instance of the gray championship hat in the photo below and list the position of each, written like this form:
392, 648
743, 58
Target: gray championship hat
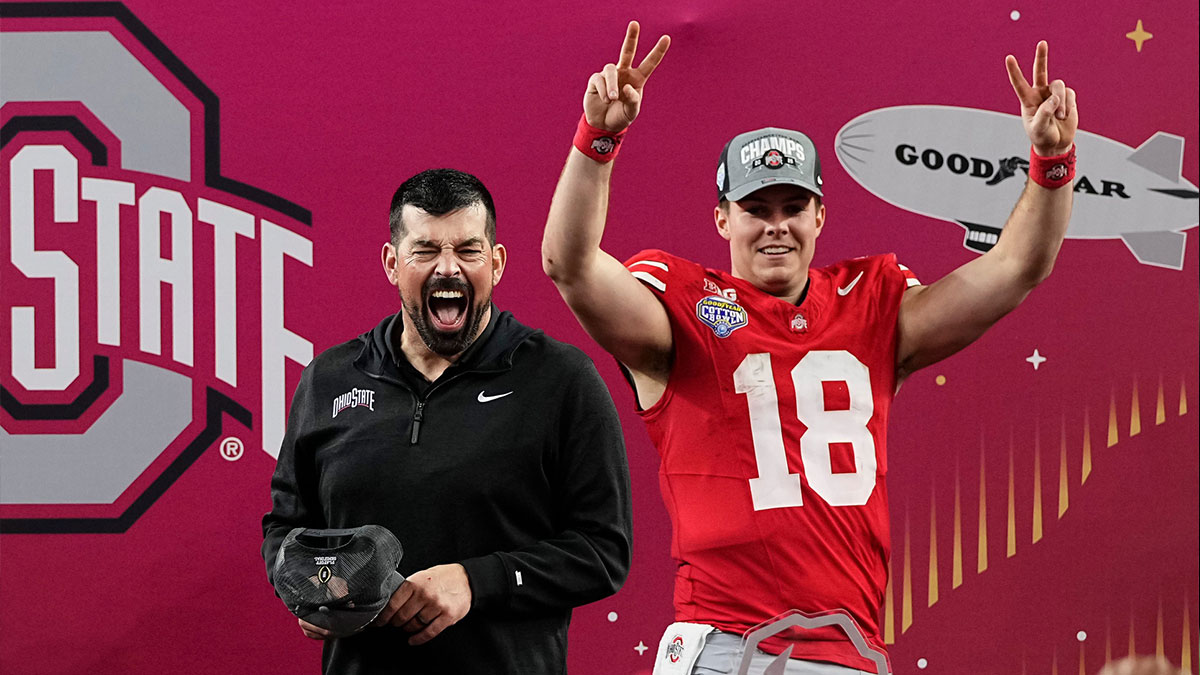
339, 580
756, 159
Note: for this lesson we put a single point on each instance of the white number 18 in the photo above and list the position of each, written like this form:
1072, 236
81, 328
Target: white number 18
776, 487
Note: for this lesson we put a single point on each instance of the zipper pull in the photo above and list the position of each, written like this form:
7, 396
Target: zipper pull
416, 424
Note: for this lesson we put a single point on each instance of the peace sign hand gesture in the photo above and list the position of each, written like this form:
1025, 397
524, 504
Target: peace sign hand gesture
614, 95
1047, 108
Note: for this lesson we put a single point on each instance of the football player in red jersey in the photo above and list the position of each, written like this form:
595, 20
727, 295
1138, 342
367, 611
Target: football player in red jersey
766, 389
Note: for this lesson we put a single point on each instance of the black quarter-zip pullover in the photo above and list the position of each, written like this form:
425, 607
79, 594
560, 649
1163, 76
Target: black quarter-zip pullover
511, 463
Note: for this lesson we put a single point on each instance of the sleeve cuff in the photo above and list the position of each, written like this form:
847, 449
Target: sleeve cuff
489, 581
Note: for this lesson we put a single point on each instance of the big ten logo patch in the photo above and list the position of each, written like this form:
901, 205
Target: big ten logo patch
144, 292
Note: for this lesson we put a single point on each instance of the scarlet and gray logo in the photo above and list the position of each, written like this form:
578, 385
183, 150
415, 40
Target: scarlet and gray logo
953, 164
143, 290
773, 159
675, 649
604, 145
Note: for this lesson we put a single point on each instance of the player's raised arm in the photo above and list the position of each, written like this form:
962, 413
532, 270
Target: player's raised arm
615, 309
942, 318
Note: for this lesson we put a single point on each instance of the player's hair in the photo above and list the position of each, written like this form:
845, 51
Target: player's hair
438, 192
724, 203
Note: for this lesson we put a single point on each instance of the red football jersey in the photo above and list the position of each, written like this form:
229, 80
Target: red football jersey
773, 435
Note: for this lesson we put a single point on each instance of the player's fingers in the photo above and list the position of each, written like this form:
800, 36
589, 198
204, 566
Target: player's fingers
611, 83
1040, 66
631, 96
1019, 84
1072, 109
1058, 88
1044, 116
629, 47
595, 87
655, 57
431, 631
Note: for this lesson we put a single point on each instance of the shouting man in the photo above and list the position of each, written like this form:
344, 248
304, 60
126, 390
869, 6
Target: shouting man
508, 518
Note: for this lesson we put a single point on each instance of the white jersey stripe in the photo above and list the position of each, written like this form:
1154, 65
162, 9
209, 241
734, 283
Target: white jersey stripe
912, 281
650, 280
653, 263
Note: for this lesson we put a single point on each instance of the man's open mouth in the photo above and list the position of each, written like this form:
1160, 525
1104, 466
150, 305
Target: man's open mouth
447, 309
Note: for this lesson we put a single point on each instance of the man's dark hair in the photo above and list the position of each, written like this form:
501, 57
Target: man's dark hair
438, 192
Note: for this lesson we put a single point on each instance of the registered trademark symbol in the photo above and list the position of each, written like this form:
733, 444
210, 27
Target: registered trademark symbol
231, 448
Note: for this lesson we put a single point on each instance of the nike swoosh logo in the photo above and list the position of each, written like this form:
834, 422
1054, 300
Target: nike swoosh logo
484, 398
843, 291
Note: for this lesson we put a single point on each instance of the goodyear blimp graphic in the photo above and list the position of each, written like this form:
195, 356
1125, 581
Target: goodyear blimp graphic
968, 166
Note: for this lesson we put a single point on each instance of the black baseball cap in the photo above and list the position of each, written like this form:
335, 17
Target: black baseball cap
339, 580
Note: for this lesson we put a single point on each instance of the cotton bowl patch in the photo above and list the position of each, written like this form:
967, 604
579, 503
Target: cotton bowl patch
721, 315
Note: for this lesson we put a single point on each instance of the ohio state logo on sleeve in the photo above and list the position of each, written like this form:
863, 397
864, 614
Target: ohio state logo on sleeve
144, 292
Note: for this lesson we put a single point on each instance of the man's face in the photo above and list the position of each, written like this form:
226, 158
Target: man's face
772, 236
445, 270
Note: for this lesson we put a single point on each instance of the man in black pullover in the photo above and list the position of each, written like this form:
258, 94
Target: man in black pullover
493, 452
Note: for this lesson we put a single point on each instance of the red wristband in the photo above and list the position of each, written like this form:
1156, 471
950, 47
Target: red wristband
598, 144
1052, 172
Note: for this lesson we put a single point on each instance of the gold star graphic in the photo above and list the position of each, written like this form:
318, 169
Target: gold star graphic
1139, 35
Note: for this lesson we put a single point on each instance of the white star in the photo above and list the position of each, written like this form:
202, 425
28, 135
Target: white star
1037, 359
641, 648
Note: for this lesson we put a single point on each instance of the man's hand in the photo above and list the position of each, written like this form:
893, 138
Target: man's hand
1047, 108
314, 632
428, 602
614, 95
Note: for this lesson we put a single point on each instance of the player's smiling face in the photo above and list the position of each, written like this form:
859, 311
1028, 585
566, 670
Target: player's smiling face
772, 235
445, 270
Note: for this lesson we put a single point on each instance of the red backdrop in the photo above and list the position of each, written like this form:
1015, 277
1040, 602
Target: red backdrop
1084, 467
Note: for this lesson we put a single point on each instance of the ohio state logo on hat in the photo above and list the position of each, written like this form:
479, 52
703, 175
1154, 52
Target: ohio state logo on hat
773, 159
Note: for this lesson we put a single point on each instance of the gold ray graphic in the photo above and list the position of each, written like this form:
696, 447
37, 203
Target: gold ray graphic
933, 552
1082, 659
982, 553
1037, 484
1182, 398
1159, 652
1132, 642
956, 561
1087, 448
1063, 497
1112, 419
1108, 639
1054, 663
1012, 506
1185, 657
1160, 409
906, 609
1135, 412
889, 611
